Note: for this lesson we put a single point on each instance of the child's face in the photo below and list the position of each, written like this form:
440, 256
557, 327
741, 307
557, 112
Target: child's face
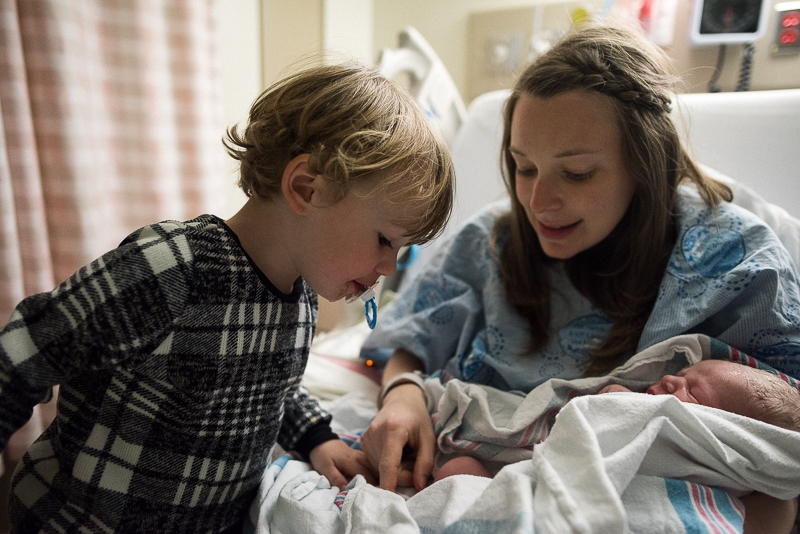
571, 178
353, 243
715, 383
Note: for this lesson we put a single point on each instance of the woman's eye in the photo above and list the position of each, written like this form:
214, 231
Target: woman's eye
529, 172
579, 176
383, 241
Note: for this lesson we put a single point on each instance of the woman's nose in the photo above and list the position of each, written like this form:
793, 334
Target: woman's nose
545, 195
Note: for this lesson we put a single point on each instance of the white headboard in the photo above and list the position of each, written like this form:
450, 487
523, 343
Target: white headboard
752, 136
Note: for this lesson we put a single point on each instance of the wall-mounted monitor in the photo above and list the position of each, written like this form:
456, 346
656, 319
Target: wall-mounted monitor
729, 21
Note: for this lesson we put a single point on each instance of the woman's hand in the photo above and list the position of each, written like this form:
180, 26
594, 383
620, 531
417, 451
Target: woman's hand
338, 462
402, 423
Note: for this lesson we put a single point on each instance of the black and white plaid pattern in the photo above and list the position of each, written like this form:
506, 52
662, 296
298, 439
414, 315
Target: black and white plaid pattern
177, 360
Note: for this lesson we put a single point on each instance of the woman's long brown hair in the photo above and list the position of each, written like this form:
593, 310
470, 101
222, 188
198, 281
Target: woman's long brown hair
620, 275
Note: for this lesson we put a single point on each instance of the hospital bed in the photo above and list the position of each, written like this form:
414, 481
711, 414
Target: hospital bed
592, 474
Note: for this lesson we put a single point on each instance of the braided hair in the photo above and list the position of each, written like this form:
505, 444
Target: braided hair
621, 274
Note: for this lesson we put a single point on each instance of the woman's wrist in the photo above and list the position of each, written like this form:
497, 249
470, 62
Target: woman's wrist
405, 391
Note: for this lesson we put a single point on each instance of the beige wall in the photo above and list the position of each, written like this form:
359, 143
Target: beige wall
445, 24
347, 29
291, 33
239, 41
261, 39
696, 65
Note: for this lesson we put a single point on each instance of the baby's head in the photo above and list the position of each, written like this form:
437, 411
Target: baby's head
735, 388
356, 126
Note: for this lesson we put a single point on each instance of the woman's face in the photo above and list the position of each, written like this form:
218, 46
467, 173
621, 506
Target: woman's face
571, 177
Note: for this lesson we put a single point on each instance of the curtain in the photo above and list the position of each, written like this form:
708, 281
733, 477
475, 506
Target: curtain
111, 119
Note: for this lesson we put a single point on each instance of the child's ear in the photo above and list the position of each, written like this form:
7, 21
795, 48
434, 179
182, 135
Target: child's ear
300, 185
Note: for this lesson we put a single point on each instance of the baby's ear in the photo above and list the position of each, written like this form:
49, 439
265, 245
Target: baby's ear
300, 185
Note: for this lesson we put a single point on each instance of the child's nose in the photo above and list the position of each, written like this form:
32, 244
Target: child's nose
387, 266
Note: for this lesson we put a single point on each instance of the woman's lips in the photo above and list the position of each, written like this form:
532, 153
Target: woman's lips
556, 232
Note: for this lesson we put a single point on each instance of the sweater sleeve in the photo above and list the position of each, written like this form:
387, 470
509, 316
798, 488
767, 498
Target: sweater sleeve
117, 308
305, 424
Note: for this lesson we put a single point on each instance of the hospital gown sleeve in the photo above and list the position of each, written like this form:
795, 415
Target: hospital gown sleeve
729, 277
438, 312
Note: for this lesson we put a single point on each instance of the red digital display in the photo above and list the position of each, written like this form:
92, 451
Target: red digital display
790, 19
789, 36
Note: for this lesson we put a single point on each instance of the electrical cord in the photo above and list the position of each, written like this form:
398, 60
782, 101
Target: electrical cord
712, 83
747, 67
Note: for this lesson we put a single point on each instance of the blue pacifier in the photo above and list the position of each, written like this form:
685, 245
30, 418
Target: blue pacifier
368, 293
370, 308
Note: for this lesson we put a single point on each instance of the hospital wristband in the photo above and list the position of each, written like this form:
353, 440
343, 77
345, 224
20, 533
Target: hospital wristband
403, 378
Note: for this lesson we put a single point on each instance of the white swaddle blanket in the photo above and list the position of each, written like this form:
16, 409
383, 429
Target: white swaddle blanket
617, 462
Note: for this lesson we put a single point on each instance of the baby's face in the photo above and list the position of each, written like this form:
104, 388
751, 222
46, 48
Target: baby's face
715, 383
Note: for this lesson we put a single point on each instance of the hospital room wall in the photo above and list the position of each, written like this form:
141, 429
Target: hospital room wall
445, 24
261, 40
239, 38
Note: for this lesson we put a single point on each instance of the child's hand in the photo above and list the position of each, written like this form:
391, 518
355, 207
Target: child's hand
339, 463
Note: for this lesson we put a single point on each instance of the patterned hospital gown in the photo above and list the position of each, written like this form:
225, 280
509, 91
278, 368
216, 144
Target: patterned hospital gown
728, 277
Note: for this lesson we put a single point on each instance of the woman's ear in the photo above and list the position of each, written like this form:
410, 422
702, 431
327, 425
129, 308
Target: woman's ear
300, 185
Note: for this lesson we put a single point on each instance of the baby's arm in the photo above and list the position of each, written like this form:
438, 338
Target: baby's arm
614, 388
768, 515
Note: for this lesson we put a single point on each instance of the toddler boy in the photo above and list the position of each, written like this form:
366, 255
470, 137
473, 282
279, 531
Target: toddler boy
179, 354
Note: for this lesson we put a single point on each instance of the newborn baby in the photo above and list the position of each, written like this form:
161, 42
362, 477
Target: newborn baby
724, 385
732, 387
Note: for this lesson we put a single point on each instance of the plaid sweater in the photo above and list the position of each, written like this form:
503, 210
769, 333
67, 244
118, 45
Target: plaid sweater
180, 367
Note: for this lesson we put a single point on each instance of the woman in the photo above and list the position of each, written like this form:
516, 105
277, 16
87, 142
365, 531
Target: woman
599, 254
